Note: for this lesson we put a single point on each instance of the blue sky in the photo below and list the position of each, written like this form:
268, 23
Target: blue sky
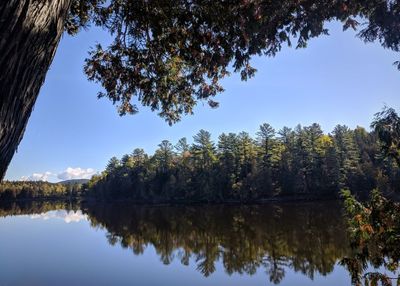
72, 134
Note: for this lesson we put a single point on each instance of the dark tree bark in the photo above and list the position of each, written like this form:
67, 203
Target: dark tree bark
30, 31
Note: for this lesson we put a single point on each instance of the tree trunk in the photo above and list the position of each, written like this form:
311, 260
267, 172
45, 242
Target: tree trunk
30, 31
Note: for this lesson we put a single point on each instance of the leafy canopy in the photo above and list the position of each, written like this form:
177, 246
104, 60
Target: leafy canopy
168, 55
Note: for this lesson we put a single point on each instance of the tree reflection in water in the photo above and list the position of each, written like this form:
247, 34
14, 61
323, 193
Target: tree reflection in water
309, 237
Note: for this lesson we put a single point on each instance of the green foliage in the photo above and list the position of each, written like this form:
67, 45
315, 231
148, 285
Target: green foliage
301, 162
387, 126
374, 226
168, 55
28, 190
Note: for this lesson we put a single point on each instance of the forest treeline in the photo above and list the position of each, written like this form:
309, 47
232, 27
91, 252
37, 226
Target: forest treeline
29, 190
303, 161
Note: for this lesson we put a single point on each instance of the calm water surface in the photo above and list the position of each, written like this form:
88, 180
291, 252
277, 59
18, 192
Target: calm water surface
116, 244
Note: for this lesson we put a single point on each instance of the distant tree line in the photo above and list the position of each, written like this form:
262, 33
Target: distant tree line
28, 190
290, 162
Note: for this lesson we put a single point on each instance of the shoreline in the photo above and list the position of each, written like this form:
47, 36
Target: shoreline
179, 202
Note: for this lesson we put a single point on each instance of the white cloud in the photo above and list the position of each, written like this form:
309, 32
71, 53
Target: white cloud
68, 174
37, 177
76, 173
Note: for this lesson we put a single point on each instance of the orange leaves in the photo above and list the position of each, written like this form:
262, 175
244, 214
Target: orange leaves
358, 218
367, 228
375, 236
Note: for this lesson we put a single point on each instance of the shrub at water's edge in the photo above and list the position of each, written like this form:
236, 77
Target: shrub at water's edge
374, 228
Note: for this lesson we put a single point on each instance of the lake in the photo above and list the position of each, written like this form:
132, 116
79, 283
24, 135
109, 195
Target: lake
120, 244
